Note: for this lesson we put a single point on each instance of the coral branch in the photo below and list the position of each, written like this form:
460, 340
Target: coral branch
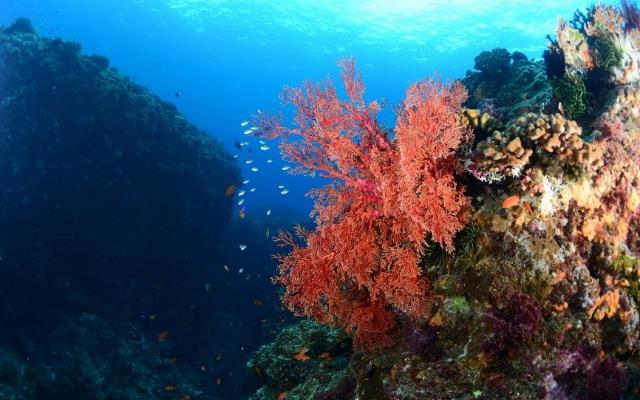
360, 266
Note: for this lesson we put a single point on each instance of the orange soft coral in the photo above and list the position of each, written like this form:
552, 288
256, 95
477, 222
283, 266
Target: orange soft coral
360, 266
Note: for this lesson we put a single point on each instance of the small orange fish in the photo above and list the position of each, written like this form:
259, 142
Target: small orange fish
282, 396
527, 205
242, 212
326, 358
510, 201
185, 397
257, 302
230, 190
301, 355
258, 372
163, 336
170, 388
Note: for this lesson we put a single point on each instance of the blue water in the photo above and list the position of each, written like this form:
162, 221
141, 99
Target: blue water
227, 58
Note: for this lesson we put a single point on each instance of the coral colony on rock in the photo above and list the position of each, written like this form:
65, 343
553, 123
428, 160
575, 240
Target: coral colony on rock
486, 246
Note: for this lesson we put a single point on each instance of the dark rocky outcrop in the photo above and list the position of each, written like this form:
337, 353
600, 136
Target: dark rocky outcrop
111, 203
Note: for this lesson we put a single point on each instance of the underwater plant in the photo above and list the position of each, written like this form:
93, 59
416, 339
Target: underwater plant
607, 54
571, 92
360, 266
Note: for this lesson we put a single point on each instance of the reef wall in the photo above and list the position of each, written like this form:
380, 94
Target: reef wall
107, 194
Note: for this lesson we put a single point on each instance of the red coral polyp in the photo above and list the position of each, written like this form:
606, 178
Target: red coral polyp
359, 268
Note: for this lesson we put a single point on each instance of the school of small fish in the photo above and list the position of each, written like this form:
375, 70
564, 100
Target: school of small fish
241, 195
233, 190
264, 147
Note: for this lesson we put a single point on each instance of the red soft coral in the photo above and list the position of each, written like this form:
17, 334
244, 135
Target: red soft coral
360, 266
428, 133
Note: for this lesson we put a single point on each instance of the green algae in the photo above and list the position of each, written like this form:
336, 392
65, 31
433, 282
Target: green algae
571, 92
458, 305
607, 54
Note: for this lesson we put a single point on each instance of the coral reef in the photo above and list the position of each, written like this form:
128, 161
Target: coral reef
323, 368
518, 84
537, 296
548, 138
91, 359
100, 177
493, 65
593, 54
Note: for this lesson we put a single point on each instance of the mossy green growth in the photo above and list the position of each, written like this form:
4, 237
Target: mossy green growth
607, 54
628, 267
624, 264
457, 305
571, 91
575, 35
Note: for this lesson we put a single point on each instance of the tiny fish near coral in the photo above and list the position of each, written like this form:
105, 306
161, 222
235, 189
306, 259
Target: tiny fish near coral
510, 201
301, 355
